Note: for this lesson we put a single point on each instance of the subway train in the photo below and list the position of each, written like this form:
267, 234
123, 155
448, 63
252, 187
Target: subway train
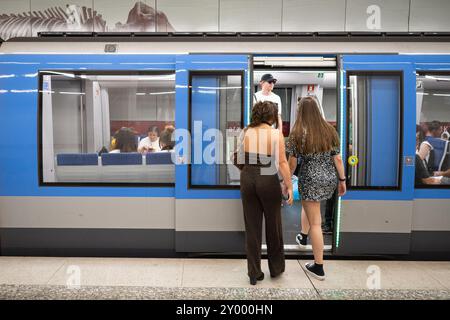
75, 110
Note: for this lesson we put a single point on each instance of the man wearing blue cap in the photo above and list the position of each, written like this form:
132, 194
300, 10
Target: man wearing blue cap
265, 94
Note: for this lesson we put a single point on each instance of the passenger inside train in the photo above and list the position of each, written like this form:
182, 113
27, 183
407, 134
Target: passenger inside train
166, 140
151, 142
124, 140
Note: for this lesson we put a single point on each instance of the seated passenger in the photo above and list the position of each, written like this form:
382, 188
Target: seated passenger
165, 140
421, 131
445, 135
151, 142
124, 140
433, 149
422, 176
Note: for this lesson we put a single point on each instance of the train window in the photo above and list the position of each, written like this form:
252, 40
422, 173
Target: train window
432, 168
216, 116
107, 127
374, 129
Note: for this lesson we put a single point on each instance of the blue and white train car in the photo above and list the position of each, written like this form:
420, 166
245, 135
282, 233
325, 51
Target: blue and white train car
63, 102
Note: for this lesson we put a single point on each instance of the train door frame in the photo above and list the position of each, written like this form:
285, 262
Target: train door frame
381, 240
198, 228
335, 68
430, 227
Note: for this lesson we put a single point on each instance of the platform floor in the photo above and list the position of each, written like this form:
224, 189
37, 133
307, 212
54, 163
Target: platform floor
136, 278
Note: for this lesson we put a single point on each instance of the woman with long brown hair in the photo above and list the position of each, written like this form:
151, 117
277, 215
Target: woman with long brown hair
317, 143
263, 155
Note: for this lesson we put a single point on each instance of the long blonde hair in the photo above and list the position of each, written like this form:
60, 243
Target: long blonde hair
311, 133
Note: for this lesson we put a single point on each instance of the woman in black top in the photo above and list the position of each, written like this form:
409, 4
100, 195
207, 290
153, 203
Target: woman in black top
263, 152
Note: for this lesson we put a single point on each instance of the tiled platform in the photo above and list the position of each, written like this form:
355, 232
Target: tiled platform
119, 278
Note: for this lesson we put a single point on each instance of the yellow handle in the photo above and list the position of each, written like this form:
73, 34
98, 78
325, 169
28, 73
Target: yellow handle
353, 160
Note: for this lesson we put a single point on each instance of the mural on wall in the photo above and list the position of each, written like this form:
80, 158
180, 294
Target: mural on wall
26, 18
144, 18
141, 18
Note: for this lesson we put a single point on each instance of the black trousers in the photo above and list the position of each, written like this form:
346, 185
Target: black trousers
261, 196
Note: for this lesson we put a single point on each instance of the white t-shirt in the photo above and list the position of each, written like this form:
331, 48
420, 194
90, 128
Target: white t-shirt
149, 144
272, 97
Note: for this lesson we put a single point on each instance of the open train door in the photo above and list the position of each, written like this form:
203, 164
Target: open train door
377, 127
212, 103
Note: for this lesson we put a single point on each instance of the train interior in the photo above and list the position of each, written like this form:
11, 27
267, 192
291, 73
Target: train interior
291, 85
433, 115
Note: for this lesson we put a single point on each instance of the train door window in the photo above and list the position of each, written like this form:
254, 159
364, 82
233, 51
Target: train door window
285, 94
216, 116
107, 127
374, 129
293, 84
432, 168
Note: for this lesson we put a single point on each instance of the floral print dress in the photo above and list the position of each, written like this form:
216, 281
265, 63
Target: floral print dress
317, 177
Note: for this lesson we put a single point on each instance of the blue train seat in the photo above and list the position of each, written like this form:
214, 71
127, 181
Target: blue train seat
159, 158
111, 159
77, 159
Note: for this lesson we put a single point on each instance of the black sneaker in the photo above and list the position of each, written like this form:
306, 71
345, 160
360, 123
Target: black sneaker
314, 270
326, 229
